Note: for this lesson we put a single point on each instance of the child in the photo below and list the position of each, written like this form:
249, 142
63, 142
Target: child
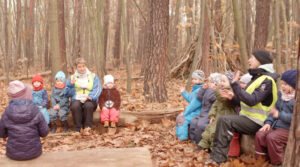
193, 109
272, 138
60, 103
207, 96
40, 96
221, 106
22, 123
245, 79
109, 103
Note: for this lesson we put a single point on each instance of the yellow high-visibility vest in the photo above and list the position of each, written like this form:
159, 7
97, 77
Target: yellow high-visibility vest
259, 112
87, 90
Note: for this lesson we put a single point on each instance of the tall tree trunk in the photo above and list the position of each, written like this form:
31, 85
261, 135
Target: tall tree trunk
261, 24
106, 28
174, 31
189, 15
61, 34
292, 152
18, 29
117, 45
155, 73
54, 43
206, 45
240, 34
46, 51
6, 41
277, 35
285, 34
30, 31
76, 29
199, 46
126, 47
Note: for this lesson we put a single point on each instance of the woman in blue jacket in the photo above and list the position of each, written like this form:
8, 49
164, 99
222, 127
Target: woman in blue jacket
193, 109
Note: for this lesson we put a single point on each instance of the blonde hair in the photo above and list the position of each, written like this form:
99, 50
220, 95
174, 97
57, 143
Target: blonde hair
80, 61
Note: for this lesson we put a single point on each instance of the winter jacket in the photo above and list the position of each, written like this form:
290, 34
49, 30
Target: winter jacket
199, 123
285, 115
192, 110
110, 94
23, 124
58, 97
94, 93
221, 106
40, 98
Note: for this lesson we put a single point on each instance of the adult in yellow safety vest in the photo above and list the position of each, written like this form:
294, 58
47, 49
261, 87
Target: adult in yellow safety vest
256, 101
84, 88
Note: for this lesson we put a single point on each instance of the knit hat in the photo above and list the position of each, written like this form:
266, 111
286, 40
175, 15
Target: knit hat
215, 78
263, 56
108, 78
246, 78
19, 90
60, 75
229, 75
199, 74
289, 77
37, 77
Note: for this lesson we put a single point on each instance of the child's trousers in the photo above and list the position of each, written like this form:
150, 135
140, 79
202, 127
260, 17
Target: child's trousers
271, 142
111, 115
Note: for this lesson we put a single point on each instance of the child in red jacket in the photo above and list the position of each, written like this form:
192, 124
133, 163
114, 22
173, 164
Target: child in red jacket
109, 103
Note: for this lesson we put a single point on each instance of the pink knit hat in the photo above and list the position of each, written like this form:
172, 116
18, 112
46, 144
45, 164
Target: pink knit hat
19, 90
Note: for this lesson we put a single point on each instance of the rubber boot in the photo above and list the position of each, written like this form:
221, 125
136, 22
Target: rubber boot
113, 125
106, 124
234, 149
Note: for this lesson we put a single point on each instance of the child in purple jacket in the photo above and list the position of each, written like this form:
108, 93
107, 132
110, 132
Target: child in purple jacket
23, 124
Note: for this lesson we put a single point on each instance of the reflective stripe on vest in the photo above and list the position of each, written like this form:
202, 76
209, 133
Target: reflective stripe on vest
259, 112
87, 90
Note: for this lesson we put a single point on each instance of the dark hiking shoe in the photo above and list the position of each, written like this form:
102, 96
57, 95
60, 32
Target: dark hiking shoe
53, 126
65, 126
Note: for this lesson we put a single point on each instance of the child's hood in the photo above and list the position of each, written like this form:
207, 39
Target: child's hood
195, 87
21, 110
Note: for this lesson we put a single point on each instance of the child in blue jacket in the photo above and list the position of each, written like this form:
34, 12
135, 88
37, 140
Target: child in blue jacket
193, 109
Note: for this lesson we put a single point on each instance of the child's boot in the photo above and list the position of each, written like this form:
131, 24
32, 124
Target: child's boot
53, 126
234, 149
106, 124
65, 126
113, 125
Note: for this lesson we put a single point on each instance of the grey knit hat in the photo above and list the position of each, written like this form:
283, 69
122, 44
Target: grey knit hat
199, 74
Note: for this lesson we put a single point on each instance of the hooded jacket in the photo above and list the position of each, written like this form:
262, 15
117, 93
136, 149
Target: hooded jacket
23, 124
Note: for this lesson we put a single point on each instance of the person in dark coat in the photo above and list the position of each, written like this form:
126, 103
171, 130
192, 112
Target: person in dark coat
23, 124
256, 101
207, 96
109, 103
272, 138
60, 103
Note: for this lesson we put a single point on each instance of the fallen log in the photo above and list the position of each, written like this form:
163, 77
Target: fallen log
25, 76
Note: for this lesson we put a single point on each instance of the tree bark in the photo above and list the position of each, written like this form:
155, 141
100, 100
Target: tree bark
277, 35
206, 45
30, 31
117, 45
261, 24
155, 73
106, 30
54, 43
6, 41
240, 34
292, 152
61, 34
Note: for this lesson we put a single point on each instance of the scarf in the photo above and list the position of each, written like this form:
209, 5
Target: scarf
60, 86
38, 88
287, 96
82, 79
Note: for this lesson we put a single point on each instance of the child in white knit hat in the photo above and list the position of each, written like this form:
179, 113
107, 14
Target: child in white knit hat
109, 103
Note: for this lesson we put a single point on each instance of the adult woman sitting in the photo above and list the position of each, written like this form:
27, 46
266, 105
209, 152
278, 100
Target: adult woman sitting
84, 88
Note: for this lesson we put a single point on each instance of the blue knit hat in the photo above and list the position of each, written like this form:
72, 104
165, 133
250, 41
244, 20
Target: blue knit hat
60, 75
229, 75
289, 77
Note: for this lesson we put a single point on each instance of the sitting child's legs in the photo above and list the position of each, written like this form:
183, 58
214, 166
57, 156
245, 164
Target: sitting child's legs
114, 117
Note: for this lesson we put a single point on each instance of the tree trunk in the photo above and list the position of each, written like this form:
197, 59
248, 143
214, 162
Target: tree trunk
206, 45
18, 29
6, 41
106, 29
61, 34
30, 31
199, 46
126, 47
174, 31
240, 34
117, 45
46, 51
285, 34
292, 152
155, 73
261, 24
54, 43
277, 35
76, 30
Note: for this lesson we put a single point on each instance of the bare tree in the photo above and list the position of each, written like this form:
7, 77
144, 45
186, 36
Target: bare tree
117, 45
61, 34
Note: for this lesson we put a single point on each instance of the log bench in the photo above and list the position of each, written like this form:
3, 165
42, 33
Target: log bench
112, 157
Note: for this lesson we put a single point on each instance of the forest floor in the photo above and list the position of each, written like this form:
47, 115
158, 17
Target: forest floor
166, 150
